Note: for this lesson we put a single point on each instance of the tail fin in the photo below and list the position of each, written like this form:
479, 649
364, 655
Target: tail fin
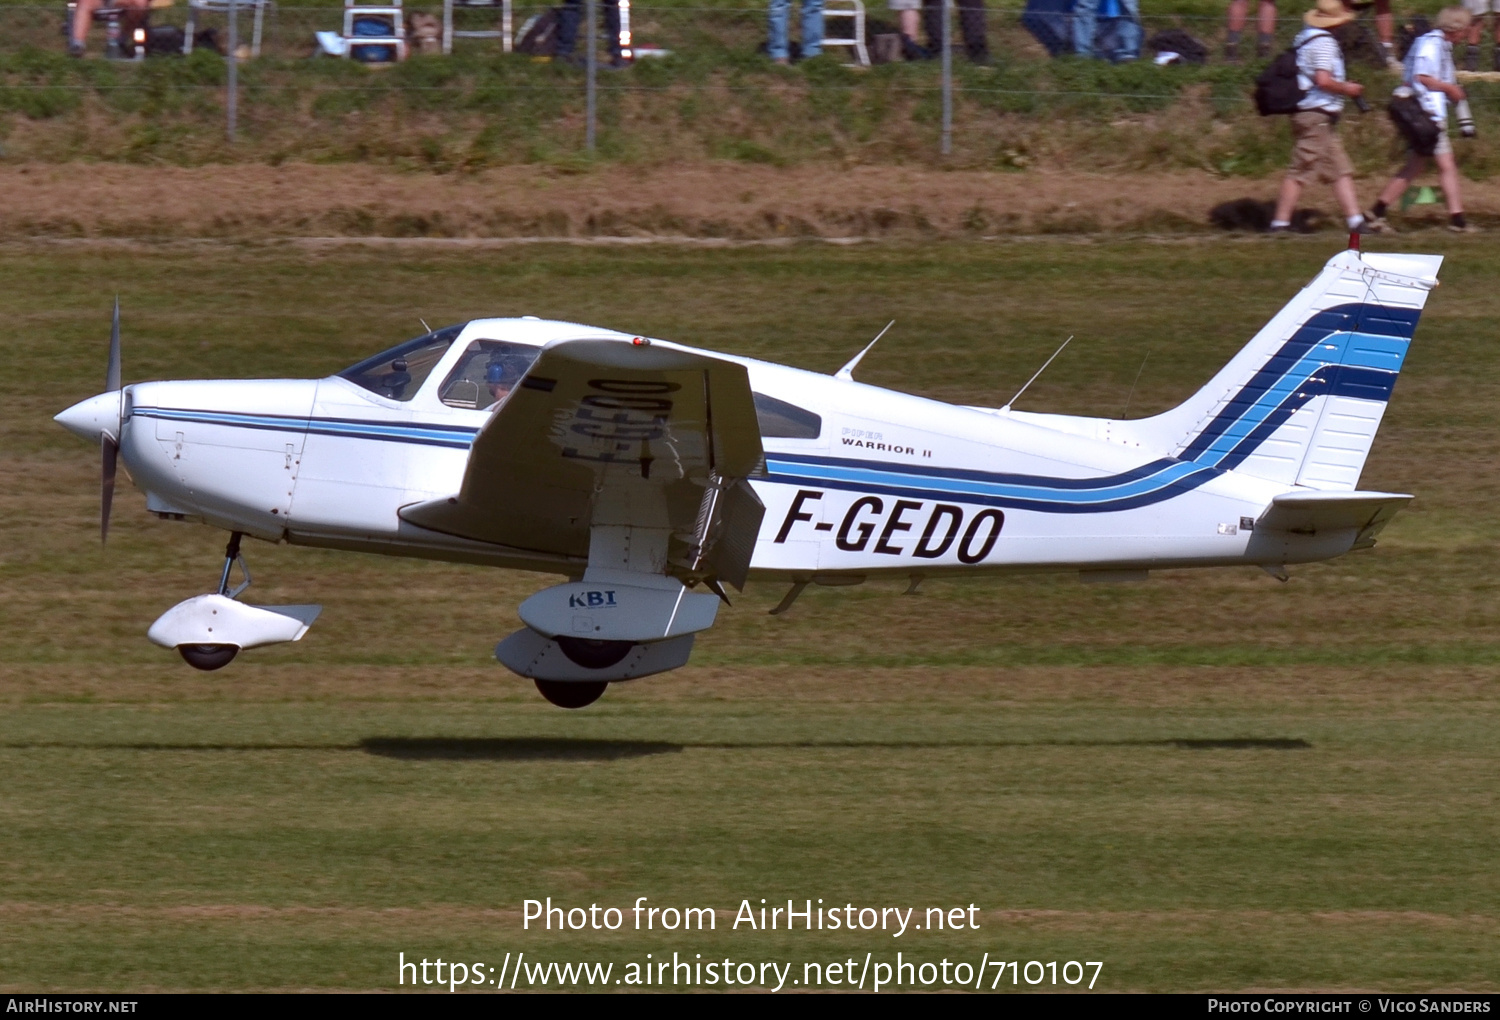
1300, 403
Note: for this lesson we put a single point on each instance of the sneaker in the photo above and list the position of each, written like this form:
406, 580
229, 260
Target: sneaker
1467, 228
1279, 231
75, 47
1376, 225
1232, 53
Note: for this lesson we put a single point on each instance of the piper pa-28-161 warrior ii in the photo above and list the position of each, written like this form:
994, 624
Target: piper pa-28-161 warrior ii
651, 475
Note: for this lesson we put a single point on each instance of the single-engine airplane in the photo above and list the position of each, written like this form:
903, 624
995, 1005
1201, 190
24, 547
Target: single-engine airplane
651, 475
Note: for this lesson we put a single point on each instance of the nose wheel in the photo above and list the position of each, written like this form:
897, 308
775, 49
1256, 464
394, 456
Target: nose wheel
208, 657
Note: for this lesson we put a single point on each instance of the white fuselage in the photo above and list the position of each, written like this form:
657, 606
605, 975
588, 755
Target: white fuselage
892, 483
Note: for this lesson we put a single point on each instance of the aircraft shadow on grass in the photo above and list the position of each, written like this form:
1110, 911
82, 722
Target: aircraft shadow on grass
583, 749
577, 749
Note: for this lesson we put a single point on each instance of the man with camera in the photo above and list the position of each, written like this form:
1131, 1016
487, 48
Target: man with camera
1430, 77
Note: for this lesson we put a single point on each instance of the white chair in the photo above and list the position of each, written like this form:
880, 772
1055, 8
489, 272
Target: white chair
392, 14
503, 33
855, 11
197, 7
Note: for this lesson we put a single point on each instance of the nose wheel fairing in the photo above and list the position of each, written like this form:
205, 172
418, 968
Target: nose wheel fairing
209, 630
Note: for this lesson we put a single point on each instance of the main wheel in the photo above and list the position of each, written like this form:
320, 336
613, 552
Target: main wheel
208, 657
592, 654
572, 693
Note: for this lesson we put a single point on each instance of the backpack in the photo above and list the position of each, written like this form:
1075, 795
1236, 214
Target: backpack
1276, 88
538, 36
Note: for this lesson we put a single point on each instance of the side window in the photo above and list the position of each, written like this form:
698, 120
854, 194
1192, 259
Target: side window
486, 372
780, 420
398, 373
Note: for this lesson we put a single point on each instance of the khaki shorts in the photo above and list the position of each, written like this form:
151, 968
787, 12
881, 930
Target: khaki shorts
1444, 145
1317, 153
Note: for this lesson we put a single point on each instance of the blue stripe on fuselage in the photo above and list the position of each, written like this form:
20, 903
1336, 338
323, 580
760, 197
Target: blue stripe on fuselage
453, 436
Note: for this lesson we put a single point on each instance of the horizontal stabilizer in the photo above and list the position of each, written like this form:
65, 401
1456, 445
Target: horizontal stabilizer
1308, 513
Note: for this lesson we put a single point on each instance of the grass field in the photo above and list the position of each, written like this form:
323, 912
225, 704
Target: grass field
1210, 781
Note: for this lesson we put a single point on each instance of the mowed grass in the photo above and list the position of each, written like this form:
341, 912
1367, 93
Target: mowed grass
1210, 781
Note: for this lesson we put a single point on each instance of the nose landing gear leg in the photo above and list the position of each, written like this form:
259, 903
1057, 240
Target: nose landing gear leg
208, 657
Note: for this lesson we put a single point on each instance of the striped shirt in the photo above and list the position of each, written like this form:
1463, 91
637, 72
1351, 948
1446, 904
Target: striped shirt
1318, 51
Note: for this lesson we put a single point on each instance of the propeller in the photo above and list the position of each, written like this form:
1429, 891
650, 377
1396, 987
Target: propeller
109, 446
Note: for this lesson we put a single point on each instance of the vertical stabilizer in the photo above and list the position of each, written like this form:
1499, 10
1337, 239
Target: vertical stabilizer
1300, 403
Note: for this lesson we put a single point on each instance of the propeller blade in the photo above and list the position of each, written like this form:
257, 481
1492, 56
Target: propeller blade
110, 451
112, 374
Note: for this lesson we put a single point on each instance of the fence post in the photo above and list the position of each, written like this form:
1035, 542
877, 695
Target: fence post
234, 67
591, 58
947, 77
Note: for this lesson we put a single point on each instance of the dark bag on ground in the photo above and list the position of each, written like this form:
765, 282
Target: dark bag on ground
1415, 125
1277, 90
538, 36
1175, 40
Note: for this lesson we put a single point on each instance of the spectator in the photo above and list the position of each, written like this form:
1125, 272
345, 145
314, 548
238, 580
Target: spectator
908, 15
1480, 9
812, 29
1317, 152
567, 31
133, 17
970, 23
1265, 23
1429, 73
1127, 43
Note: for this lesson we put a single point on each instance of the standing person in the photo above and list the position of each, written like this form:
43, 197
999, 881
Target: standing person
1265, 21
908, 18
1429, 73
567, 31
970, 23
812, 29
1086, 27
1481, 9
1317, 153
134, 17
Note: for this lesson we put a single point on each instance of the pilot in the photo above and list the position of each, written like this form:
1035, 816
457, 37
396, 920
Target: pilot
505, 368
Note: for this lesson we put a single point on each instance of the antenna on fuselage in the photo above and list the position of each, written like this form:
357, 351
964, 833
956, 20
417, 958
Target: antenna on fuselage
847, 372
1038, 375
425, 327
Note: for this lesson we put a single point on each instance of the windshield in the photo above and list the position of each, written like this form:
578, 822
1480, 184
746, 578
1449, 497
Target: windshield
486, 372
399, 372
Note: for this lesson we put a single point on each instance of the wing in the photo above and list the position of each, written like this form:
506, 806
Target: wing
650, 442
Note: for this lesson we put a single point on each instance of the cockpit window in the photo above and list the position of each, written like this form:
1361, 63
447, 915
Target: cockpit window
399, 372
486, 372
780, 420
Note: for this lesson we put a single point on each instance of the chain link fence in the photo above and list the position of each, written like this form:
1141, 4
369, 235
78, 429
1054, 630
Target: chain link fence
708, 65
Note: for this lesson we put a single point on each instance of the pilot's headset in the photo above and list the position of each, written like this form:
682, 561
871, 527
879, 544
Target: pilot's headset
506, 367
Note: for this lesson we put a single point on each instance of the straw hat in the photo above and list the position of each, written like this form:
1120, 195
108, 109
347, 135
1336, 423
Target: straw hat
1328, 14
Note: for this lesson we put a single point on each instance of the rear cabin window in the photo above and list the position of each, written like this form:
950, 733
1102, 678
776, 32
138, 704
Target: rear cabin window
486, 372
780, 420
397, 374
